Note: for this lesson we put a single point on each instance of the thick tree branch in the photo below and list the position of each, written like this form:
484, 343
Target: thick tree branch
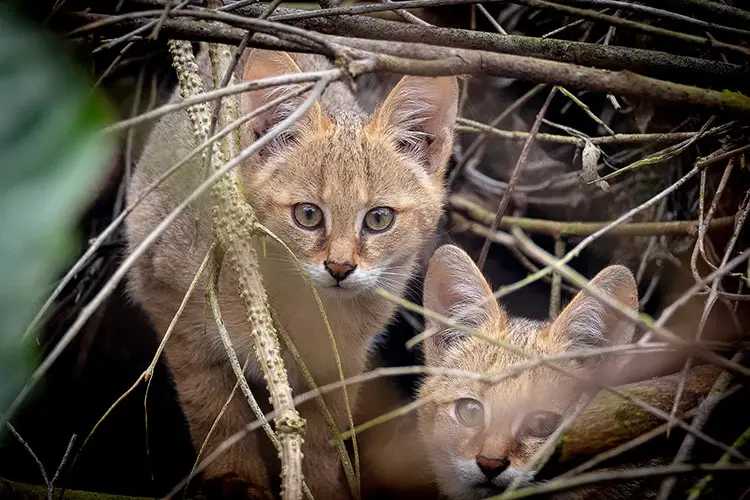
610, 421
646, 62
404, 58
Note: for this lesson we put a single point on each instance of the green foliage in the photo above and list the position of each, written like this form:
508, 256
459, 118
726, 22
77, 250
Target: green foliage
51, 160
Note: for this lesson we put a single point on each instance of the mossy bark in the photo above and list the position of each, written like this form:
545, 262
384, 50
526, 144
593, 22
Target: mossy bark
611, 421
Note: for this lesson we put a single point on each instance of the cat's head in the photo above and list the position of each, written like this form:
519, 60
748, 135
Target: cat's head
354, 197
479, 436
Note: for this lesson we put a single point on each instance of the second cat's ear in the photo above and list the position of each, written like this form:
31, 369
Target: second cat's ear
454, 287
419, 114
266, 64
587, 323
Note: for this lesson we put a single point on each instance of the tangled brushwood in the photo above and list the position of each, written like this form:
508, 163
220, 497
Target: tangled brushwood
572, 324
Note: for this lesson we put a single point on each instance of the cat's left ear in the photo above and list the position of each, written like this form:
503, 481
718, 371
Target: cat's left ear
419, 115
455, 288
587, 323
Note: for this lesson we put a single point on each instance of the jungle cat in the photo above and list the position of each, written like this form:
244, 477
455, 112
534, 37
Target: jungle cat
472, 439
354, 195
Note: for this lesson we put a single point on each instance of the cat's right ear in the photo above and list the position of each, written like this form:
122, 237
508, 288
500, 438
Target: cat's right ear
267, 64
419, 115
454, 287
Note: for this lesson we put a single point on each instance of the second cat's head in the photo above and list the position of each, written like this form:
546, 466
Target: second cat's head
480, 437
353, 196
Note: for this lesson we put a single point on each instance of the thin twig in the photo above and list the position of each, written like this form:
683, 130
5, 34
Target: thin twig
556, 289
466, 125
483, 137
587, 110
60, 468
491, 19
274, 81
703, 412
696, 490
662, 156
515, 175
660, 13
30, 451
148, 373
212, 298
564, 228
619, 476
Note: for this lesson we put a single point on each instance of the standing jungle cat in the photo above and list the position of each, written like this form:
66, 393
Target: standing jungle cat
355, 197
472, 438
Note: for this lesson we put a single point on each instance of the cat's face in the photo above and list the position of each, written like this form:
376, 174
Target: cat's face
479, 437
353, 198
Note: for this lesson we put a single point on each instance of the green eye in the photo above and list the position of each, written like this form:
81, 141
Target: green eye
470, 412
379, 219
307, 215
540, 423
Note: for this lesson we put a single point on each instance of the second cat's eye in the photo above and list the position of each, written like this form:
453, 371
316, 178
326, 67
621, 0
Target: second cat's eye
470, 412
307, 215
379, 219
540, 423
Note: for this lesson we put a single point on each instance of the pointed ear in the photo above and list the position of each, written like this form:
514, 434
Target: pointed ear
419, 114
266, 64
587, 323
454, 287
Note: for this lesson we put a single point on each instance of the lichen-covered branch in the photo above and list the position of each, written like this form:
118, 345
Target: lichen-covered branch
565, 228
234, 223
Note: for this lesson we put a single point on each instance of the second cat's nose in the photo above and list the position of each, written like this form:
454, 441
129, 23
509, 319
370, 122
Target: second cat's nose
339, 270
492, 467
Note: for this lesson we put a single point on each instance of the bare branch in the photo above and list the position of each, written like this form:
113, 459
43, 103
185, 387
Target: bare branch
515, 175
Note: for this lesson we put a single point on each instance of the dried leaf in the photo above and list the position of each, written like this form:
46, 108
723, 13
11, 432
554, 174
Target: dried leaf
589, 161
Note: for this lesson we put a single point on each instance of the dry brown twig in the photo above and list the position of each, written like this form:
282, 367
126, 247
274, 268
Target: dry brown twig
515, 175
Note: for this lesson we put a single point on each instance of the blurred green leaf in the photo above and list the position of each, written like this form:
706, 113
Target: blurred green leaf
51, 160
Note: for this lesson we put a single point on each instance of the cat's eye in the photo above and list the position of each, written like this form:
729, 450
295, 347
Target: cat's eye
379, 219
307, 215
470, 412
540, 423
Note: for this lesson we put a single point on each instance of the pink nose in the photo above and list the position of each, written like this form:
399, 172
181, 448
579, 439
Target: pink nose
339, 270
492, 467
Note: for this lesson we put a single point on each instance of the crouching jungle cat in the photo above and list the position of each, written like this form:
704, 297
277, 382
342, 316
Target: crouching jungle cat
472, 438
355, 197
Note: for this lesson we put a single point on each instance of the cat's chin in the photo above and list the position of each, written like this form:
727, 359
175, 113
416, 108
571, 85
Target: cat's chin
340, 292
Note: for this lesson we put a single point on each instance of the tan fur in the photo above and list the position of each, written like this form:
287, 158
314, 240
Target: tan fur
454, 287
346, 163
